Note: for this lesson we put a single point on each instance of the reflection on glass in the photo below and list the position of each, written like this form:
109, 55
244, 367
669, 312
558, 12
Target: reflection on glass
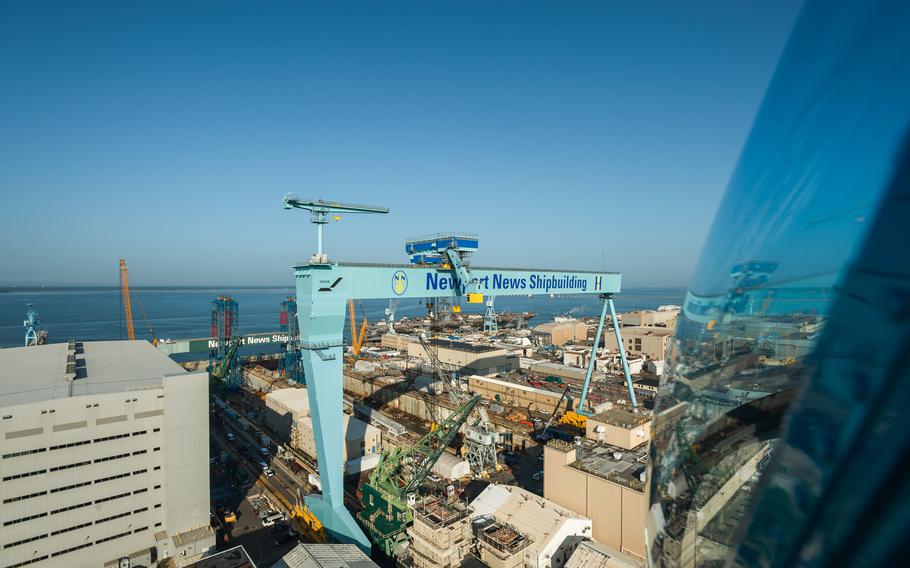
801, 202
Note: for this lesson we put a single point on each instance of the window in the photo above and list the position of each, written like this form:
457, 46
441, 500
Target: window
73, 549
22, 497
27, 474
73, 528
71, 507
24, 541
68, 466
23, 519
68, 487
24, 453
112, 517
29, 561
116, 536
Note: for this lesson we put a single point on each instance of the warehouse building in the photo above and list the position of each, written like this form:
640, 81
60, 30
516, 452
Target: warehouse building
518, 528
652, 318
559, 333
516, 394
105, 456
604, 478
592, 554
288, 415
647, 342
466, 358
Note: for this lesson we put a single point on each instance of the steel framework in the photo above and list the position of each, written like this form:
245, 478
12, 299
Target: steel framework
223, 355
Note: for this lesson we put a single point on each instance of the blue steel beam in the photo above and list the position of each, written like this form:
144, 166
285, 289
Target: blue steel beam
322, 294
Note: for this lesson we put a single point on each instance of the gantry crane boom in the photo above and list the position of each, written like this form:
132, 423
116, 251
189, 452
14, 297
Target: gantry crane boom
127, 307
223, 366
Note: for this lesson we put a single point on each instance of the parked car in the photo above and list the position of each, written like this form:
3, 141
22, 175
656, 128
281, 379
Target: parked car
283, 538
230, 436
263, 465
269, 472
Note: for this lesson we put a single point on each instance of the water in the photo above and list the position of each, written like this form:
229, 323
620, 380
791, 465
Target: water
180, 313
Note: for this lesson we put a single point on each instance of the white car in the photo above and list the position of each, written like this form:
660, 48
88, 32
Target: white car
230, 436
269, 472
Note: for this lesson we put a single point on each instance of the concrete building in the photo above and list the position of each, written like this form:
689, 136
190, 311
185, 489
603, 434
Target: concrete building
466, 358
397, 341
519, 528
325, 556
515, 394
441, 533
559, 333
604, 478
592, 554
288, 414
576, 357
651, 318
647, 342
105, 455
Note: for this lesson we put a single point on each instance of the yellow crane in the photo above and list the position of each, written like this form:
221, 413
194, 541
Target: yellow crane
128, 307
357, 337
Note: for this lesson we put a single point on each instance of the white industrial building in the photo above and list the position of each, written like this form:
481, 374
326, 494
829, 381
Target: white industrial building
289, 416
105, 456
551, 532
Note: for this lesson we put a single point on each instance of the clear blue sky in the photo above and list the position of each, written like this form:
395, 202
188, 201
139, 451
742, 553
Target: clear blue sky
168, 132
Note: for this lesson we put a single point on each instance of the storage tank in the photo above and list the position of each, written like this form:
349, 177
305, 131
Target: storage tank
451, 467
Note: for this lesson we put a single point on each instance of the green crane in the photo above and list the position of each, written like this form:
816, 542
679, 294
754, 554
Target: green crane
385, 497
223, 366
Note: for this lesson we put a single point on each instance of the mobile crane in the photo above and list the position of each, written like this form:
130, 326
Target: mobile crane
391, 490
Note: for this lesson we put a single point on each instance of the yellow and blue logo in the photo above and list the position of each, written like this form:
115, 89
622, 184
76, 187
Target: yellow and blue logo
399, 282
598, 282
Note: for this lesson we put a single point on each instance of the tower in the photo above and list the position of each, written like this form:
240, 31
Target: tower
290, 364
226, 338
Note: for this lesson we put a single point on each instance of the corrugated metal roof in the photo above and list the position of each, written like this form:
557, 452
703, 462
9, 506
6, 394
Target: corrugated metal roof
531, 514
31, 374
591, 554
325, 556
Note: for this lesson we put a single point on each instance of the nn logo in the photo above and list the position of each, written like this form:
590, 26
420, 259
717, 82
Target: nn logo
399, 282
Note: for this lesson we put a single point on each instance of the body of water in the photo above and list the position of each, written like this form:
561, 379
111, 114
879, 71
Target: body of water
179, 313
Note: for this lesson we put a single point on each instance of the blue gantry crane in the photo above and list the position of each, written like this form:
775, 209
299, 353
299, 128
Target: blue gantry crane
323, 290
290, 364
33, 335
224, 357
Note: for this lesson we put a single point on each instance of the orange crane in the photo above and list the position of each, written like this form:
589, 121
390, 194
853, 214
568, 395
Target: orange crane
128, 308
357, 337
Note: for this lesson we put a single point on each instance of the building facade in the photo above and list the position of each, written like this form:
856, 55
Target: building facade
105, 456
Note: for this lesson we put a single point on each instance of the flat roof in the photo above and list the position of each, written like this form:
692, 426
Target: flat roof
462, 346
619, 416
325, 556
601, 460
42, 372
531, 514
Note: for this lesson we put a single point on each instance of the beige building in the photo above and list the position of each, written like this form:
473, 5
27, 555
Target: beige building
605, 482
105, 456
288, 414
576, 357
520, 529
651, 318
397, 341
441, 533
559, 333
647, 342
515, 394
466, 358
592, 554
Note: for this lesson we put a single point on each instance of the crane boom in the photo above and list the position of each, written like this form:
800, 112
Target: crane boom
127, 308
386, 513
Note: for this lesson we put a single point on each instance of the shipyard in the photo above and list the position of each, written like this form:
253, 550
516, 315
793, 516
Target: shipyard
445, 284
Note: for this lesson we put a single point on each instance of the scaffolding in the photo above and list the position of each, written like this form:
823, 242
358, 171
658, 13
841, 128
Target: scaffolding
223, 354
290, 364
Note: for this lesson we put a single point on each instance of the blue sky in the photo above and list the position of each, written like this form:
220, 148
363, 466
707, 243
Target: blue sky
168, 132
